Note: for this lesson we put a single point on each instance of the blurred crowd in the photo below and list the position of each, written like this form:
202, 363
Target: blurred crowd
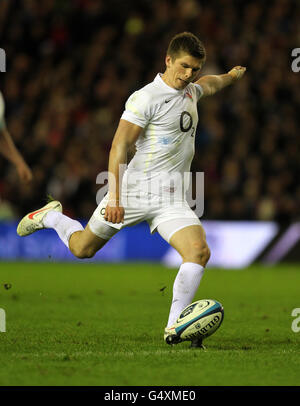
70, 66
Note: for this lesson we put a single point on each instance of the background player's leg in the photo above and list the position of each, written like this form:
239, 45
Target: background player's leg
191, 244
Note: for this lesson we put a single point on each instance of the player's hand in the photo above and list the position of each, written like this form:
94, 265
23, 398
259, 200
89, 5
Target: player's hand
114, 213
24, 172
237, 72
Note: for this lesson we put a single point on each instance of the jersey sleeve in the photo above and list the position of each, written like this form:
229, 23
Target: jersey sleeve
138, 109
199, 91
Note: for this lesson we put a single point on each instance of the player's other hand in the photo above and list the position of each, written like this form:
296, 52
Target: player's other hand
114, 213
237, 72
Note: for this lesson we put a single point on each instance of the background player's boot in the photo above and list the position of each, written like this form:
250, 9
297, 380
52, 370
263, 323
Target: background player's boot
34, 221
197, 343
171, 337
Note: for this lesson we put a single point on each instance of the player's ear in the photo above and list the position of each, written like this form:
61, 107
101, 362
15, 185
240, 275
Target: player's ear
168, 61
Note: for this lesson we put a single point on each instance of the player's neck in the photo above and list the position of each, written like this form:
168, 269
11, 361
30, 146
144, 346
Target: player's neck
168, 81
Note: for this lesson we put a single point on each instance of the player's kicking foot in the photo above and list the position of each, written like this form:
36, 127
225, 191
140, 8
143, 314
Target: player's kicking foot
171, 337
197, 343
34, 221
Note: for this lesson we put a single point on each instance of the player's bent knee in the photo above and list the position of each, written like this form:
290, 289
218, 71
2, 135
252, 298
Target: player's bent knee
83, 252
206, 254
200, 253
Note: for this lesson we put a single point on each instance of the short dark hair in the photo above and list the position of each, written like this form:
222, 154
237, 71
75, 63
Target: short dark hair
188, 43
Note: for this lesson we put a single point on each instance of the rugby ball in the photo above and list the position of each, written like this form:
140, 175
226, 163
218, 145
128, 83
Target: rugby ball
199, 319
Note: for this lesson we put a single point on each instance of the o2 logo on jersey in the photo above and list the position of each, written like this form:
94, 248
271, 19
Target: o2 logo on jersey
186, 122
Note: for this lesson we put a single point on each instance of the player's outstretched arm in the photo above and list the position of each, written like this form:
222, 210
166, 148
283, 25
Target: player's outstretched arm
125, 137
214, 83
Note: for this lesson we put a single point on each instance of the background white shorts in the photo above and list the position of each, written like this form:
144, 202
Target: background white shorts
141, 206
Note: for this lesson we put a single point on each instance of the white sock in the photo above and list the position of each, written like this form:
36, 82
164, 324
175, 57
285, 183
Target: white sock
184, 289
62, 224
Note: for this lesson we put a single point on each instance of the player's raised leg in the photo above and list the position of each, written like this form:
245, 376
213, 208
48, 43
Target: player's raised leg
33, 221
83, 243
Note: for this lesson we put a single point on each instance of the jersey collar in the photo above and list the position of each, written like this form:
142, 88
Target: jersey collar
158, 79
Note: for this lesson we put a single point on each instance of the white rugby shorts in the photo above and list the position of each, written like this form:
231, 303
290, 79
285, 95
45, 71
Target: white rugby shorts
142, 206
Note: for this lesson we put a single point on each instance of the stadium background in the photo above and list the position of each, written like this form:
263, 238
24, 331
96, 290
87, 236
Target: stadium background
70, 67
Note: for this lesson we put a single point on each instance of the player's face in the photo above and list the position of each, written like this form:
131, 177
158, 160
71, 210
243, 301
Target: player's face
182, 70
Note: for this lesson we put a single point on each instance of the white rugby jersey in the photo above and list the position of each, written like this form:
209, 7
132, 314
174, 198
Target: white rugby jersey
165, 148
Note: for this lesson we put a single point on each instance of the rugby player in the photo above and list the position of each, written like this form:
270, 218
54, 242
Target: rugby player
160, 120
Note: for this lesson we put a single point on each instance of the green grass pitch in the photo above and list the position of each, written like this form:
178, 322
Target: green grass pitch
102, 325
